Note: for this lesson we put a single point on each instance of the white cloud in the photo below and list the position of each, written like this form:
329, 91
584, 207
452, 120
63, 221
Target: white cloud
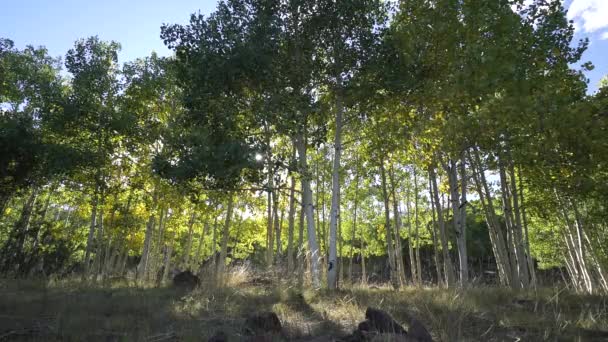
604, 36
591, 15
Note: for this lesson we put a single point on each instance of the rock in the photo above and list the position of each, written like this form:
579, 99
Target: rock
363, 326
380, 326
418, 332
219, 336
382, 322
263, 323
186, 280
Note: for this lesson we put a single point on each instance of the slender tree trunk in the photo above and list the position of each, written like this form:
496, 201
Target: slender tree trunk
201, 243
13, 250
398, 224
214, 250
457, 216
277, 223
596, 264
269, 230
186, 260
387, 222
497, 235
88, 250
340, 256
464, 261
332, 269
225, 236
109, 246
521, 246
301, 255
313, 247
323, 243
142, 268
417, 230
448, 270
157, 250
410, 246
100, 232
518, 260
291, 219
526, 235
363, 271
36, 233
352, 240
167, 265
433, 233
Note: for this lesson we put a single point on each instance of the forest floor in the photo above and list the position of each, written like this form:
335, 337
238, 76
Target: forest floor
72, 311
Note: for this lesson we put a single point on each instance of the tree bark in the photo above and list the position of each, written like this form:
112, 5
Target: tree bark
88, 250
291, 219
526, 235
519, 264
201, 242
225, 236
352, 240
277, 224
269, 229
448, 269
387, 222
142, 268
301, 255
417, 230
12, 252
313, 247
186, 259
497, 234
399, 263
433, 233
457, 217
332, 275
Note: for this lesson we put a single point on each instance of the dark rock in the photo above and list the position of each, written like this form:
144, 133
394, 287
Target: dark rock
382, 322
219, 336
363, 326
418, 332
263, 323
186, 280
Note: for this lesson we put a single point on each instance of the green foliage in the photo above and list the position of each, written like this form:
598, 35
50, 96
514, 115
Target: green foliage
160, 142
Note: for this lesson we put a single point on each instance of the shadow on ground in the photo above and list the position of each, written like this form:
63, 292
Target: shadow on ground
34, 311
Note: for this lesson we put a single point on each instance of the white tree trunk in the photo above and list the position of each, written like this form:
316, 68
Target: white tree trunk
226, 234
452, 171
186, 262
353, 236
495, 230
87, 254
448, 269
393, 272
332, 267
313, 247
301, 256
417, 230
291, 219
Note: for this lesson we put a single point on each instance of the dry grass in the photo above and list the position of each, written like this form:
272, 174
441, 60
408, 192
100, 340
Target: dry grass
71, 311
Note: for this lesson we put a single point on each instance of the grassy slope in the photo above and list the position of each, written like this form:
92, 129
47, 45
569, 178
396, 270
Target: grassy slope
69, 311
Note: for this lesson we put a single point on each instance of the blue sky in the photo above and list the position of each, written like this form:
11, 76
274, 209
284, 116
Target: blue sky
135, 24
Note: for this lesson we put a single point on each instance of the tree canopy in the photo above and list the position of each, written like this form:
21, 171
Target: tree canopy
415, 141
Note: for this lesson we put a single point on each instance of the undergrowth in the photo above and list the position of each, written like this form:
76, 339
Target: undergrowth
70, 310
